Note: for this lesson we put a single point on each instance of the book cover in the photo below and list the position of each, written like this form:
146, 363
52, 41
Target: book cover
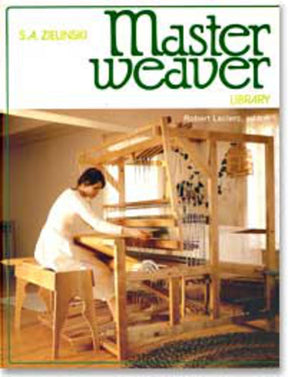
140, 185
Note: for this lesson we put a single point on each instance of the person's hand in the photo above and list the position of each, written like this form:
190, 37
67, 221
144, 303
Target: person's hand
136, 233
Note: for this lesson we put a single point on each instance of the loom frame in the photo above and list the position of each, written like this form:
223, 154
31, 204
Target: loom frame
164, 133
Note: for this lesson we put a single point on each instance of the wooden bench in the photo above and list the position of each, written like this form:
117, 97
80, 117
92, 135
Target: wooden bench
64, 286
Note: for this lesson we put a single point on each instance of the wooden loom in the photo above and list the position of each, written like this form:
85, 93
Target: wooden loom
162, 138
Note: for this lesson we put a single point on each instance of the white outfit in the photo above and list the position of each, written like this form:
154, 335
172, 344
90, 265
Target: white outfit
55, 248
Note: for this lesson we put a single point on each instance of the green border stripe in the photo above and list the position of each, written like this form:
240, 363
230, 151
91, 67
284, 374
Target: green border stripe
7, 177
137, 6
6, 194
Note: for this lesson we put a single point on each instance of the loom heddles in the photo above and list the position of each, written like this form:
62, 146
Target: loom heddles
193, 207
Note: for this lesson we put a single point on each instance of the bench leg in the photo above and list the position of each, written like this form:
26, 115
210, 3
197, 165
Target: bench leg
61, 304
89, 310
68, 286
20, 296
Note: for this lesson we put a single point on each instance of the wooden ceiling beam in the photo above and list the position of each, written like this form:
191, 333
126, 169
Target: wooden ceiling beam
48, 116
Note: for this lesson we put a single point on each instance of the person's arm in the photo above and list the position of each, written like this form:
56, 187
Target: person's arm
83, 209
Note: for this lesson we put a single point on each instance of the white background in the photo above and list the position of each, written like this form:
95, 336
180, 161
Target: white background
58, 74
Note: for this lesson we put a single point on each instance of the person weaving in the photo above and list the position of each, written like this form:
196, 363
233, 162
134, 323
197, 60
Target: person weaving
55, 248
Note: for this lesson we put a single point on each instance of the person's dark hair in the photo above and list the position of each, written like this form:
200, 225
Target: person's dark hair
91, 176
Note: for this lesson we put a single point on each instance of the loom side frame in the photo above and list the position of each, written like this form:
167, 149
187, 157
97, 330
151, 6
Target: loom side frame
163, 133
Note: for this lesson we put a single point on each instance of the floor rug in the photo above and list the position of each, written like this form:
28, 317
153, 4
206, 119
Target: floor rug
232, 350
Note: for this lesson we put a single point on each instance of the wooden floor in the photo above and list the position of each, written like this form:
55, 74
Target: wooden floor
31, 346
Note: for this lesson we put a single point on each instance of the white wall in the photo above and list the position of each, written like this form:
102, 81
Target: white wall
39, 172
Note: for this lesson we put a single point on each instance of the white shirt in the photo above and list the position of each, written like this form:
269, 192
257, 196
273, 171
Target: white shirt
54, 248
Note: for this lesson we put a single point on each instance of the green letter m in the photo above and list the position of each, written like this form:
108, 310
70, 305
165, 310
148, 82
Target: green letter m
134, 17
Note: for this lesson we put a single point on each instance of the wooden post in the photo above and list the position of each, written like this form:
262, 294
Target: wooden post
183, 296
121, 180
120, 299
213, 232
207, 293
174, 301
121, 183
271, 262
169, 174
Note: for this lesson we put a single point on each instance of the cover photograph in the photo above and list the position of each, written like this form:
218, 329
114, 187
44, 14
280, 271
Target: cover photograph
140, 185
